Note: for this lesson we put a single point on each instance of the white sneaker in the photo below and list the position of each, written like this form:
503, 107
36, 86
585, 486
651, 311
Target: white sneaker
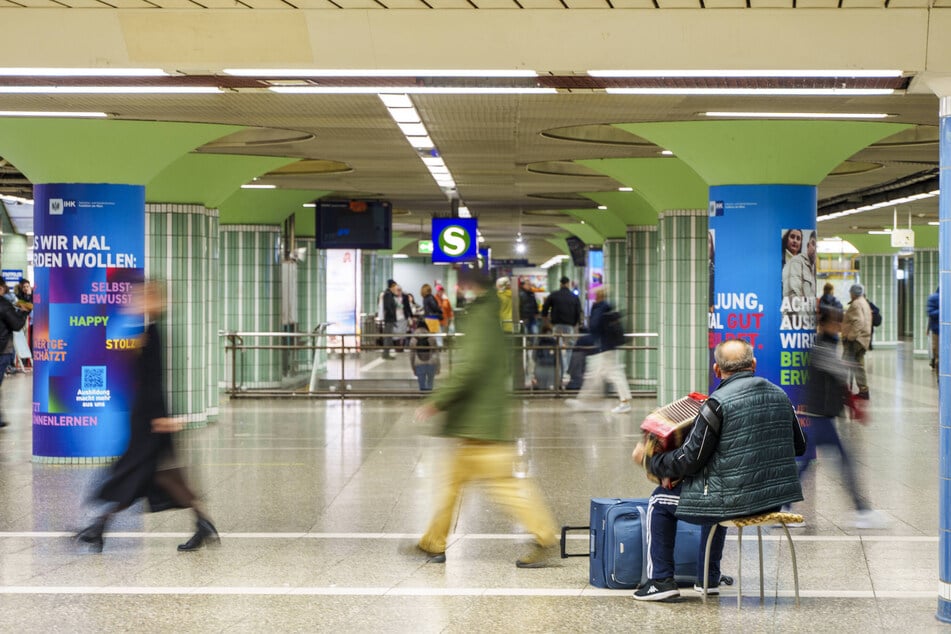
870, 518
623, 408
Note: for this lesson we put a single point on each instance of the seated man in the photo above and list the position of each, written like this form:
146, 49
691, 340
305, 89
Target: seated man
738, 460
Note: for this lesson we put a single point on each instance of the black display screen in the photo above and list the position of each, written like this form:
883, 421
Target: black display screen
354, 224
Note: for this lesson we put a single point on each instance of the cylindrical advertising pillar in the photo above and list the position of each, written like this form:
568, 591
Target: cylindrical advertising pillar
762, 262
944, 368
88, 250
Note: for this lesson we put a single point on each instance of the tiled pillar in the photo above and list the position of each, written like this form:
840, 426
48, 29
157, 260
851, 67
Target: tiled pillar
250, 300
925, 282
311, 299
644, 308
179, 249
683, 303
377, 269
944, 369
877, 275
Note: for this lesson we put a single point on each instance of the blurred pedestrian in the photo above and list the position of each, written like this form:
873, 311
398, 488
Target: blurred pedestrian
562, 309
604, 363
149, 467
934, 325
475, 402
827, 394
12, 319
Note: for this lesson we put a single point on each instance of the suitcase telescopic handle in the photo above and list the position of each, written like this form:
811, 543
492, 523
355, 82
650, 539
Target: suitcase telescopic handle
564, 541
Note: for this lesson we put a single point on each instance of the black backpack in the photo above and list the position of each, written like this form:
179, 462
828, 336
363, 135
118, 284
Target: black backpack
876, 315
612, 330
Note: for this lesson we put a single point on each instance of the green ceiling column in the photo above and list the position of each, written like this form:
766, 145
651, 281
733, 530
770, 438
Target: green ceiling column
763, 178
643, 263
925, 282
182, 225
670, 188
877, 275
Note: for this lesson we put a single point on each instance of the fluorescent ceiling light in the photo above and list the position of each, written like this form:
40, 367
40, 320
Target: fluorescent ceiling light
400, 256
421, 142
374, 72
433, 160
396, 100
33, 113
745, 73
749, 91
413, 129
309, 205
625, 189
601, 207
934, 223
666, 153
109, 90
16, 199
416, 90
404, 115
835, 245
553, 261
800, 115
464, 213
82, 72
887, 203
883, 232
256, 186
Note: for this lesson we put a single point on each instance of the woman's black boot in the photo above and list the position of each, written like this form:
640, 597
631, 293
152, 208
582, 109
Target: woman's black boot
206, 533
92, 534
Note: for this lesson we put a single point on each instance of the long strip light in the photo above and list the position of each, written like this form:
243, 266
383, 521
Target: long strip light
257, 186
370, 72
82, 72
404, 113
553, 261
745, 73
750, 91
415, 90
63, 114
108, 90
799, 115
888, 203
15, 199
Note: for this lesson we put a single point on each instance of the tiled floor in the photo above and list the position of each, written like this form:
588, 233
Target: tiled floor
314, 498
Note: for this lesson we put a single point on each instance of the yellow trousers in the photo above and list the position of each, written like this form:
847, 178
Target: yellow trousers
490, 464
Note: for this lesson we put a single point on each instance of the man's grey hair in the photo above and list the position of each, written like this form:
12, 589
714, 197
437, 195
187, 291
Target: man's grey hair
738, 359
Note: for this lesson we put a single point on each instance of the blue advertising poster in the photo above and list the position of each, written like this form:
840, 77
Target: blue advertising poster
455, 239
762, 262
88, 250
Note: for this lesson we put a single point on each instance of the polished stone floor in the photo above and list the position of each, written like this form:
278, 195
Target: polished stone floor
314, 499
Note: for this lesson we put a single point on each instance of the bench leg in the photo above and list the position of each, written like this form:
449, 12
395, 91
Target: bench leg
795, 568
739, 566
759, 538
706, 562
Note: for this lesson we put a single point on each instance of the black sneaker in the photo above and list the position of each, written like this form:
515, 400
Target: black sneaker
712, 590
657, 590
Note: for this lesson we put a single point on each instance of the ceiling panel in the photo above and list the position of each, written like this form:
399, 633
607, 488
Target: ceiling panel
403, 4
496, 4
266, 4
314, 4
679, 4
909, 4
132, 4
541, 4
633, 4
817, 4
863, 4
771, 4
176, 4
40, 4
587, 4
724, 4
448, 4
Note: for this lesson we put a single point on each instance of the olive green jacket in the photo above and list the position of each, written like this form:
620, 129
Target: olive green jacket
476, 396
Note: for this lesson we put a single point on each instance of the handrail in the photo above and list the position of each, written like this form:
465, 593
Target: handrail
350, 345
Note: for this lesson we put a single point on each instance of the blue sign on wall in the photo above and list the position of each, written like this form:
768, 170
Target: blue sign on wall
455, 239
88, 249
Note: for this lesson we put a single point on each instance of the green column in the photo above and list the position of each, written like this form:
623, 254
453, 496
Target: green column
877, 274
250, 300
311, 299
178, 250
683, 303
644, 276
925, 282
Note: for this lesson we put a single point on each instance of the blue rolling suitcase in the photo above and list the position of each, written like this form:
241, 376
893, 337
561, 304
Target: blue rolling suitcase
618, 547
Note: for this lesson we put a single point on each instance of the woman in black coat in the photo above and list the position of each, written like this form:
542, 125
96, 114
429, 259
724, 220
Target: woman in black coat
149, 468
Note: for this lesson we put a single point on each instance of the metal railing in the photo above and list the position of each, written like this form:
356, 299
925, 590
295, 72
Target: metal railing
342, 365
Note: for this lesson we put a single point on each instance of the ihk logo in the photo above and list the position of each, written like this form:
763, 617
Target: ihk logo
715, 208
58, 204
454, 241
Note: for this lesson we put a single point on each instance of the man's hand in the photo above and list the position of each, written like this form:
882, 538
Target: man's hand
167, 425
638, 455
